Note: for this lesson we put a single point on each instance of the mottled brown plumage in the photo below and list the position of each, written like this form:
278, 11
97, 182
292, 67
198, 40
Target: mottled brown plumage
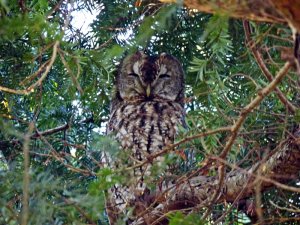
146, 111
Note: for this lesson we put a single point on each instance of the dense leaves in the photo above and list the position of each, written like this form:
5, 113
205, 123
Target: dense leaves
69, 108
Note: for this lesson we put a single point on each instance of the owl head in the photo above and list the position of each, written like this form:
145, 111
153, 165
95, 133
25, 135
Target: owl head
150, 78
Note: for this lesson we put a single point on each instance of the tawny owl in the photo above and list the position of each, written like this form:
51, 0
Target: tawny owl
146, 111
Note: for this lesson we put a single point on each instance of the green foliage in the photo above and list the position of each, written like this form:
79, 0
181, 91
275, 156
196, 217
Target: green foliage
180, 218
106, 178
53, 199
68, 180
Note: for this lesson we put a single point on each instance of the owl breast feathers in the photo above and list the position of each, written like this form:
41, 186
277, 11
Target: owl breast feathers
148, 104
146, 111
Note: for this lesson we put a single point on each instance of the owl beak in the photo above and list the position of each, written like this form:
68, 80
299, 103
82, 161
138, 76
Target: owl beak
148, 90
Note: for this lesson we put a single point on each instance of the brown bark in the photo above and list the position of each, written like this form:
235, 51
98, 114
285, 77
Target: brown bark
197, 191
272, 11
194, 191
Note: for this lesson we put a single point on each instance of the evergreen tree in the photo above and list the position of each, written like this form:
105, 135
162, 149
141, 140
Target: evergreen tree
242, 104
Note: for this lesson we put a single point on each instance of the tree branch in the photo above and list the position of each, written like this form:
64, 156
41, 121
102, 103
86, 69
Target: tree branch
192, 191
58, 129
256, 101
40, 80
272, 11
198, 190
264, 68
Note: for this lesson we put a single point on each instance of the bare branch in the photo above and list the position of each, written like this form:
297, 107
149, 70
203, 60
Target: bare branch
241, 182
51, 131
58, 129
253, 104
31, 88
264, 68
73, 77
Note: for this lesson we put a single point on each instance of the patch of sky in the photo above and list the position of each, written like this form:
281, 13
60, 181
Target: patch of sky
82, 19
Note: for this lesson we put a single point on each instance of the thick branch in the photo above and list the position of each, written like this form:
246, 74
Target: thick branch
272, 11
283, 164
202, 190
197, 191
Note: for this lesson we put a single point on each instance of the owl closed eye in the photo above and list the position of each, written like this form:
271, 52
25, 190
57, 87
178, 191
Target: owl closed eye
146, 78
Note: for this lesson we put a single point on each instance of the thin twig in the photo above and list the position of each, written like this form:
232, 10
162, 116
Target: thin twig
284, 208
264, 68
51, 131
243, 115
280, 220
56, 155
54, 9
31, 88
68, 15
73, 77
253, 104
59, 128
80, 210
35, 74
